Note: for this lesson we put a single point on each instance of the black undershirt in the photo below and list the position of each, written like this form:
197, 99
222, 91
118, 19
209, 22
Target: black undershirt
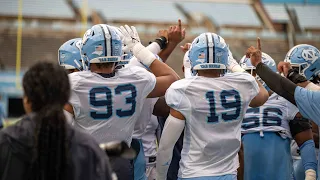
280, 85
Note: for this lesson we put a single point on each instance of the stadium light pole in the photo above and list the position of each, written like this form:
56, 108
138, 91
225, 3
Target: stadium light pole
19, 43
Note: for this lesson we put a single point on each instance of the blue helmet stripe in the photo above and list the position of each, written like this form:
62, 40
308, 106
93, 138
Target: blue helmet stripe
110, 41
105, 43
210, 48
208, 60
214, 50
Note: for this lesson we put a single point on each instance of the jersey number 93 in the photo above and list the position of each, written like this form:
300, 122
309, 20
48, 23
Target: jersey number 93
107, 102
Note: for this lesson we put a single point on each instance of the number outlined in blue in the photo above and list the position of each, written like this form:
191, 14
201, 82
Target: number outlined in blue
108, 101
129, 100
266, 120
100, 103
214, 117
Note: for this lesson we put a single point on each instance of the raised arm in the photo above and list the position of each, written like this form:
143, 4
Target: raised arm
165, 75
275, 82
175, 35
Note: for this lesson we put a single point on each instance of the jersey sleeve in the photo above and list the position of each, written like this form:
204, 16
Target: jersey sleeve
74, 100
292, 110
250, 83
149, 77
176, 98
308, 103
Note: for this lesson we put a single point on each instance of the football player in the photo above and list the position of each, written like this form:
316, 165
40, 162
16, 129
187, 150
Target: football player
304, 59
69, 57
266, 129
210, 106
306, 100
167, 41
106, 102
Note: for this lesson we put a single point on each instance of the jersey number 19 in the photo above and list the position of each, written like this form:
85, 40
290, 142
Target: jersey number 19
226, 104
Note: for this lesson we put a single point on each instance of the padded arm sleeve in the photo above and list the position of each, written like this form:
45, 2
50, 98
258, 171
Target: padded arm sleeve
298, 125
170, 135
276, 82
154, 48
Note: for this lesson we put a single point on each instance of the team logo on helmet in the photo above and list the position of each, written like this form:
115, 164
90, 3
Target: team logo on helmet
98, 50
309, 54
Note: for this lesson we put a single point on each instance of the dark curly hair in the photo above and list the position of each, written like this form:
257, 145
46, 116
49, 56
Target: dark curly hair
46, 86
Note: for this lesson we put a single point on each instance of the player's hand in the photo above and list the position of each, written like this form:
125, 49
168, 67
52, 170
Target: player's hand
130, 36
125, 48
284, 67
185, 47
176, 34
254, 53
163, 33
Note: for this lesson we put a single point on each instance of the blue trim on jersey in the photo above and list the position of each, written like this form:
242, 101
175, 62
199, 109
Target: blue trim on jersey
214, 118
100, 103
129, 100
230, 105
108, 101
265, 120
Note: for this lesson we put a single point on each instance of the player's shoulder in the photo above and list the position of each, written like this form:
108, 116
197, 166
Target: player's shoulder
79, 75
240, 76
135, 71
182, 84
176, 94
76, 77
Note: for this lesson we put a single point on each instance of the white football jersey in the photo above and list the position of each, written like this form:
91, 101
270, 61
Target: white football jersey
274, 115
149, 139
214, 109
108, 108
144, 118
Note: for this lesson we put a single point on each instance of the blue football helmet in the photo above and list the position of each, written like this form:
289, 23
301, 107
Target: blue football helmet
69, 55
101, 44
245, 63
208, 51
306, 59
